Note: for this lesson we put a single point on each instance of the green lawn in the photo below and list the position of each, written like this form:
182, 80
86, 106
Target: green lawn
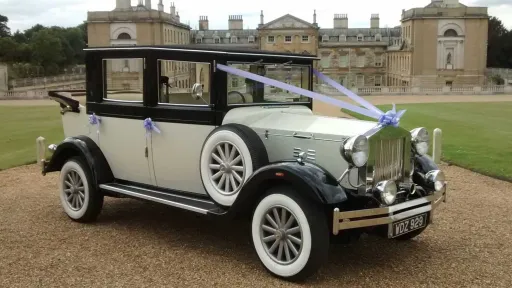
476, 136
21, 125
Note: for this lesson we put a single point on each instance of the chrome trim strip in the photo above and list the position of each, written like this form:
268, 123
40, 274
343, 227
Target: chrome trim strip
155, 199
200, 51
341, 220
162, 193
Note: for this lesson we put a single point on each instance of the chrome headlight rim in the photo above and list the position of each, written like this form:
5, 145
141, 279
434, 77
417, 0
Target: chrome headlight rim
436, 180
355, 147
387, 191
420, 140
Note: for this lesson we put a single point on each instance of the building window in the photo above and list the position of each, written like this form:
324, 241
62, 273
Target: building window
305, 38
199, 40
234, 39
378, 80
343, 38
325, 38
216, 40
251, 39
378, 38
343, 61
447, 33
124, 36
288, 39
234, 82
360, 38
324, 61
360, 80
270, 39
378, 60
360, 61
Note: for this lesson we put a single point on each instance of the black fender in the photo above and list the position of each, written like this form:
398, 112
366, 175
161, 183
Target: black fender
422, 165
86, 148
308, 179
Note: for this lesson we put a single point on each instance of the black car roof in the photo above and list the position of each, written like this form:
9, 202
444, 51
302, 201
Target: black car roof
207, 49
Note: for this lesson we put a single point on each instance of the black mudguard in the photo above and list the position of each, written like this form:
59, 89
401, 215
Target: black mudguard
422, 165
310, 180
86, 148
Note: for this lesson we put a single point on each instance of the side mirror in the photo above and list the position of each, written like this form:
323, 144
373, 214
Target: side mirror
197, 91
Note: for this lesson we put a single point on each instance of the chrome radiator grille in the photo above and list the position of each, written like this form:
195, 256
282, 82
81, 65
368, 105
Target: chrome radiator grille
389, 160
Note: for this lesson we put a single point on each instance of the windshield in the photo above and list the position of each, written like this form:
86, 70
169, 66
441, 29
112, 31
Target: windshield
242, 90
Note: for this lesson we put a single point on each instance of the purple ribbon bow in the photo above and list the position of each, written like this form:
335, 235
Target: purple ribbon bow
94, 120
391, 117
150, 126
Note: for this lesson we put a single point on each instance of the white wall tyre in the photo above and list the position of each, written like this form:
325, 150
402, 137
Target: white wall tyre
290, 235
79, 199
230, 155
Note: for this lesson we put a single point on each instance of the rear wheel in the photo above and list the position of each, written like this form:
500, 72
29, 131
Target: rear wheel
290, 235
80, 200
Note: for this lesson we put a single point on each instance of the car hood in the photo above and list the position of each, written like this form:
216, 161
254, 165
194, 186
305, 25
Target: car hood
297, 119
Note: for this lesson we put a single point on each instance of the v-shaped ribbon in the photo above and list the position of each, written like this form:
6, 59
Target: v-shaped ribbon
391, 117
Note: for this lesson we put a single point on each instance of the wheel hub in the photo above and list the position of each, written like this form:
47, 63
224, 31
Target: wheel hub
281, 235
227, 168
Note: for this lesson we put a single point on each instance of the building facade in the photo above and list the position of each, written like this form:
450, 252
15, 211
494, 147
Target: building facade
441, 44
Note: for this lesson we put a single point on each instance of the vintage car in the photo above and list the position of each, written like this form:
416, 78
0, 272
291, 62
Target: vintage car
167, 124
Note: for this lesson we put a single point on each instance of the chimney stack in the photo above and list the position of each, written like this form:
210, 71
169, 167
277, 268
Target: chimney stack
173, 9
178, 16
123, 4
147, 3
261, 19
341, 21
203, 22
235, 22
375, 21
160, 6
314, 17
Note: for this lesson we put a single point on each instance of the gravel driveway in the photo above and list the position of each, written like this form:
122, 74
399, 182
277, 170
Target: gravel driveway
138, 244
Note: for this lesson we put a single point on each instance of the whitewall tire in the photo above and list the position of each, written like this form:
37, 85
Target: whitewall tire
289, 234
79, 199
230, 155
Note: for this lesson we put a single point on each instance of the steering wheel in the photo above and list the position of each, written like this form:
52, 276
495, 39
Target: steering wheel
236, 93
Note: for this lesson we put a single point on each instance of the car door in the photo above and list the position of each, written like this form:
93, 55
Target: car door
184, 124
122, 136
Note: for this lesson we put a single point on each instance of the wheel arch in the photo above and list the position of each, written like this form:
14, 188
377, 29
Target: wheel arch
309, 180
89, 151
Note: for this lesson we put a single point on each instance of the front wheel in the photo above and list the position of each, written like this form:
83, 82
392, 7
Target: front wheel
290, 235
80, 200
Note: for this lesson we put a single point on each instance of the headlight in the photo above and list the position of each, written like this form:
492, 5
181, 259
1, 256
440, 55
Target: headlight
436, 179
419, 138
355, 150
387, 191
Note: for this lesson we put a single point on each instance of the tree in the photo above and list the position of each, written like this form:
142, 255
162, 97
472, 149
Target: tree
47, 50
499, 47
5, 31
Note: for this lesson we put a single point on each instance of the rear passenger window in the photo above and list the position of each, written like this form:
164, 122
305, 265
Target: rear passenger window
123, 79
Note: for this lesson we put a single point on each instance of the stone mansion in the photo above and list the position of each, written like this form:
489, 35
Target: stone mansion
443, 43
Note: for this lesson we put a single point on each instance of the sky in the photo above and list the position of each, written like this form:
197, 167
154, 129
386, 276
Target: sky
23, 15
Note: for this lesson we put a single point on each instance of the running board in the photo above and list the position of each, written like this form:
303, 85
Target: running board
194, 204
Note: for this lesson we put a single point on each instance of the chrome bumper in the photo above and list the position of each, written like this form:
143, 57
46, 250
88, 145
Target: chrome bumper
387, 215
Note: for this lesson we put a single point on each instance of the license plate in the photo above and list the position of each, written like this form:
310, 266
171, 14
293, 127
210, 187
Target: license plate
407, 225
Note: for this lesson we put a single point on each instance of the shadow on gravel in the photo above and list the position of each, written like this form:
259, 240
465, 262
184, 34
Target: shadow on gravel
214, 237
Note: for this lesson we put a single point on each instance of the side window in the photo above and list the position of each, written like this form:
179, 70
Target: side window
177, 79
123, 79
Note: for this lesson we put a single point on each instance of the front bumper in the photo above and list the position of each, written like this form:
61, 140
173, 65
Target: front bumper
387, 215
